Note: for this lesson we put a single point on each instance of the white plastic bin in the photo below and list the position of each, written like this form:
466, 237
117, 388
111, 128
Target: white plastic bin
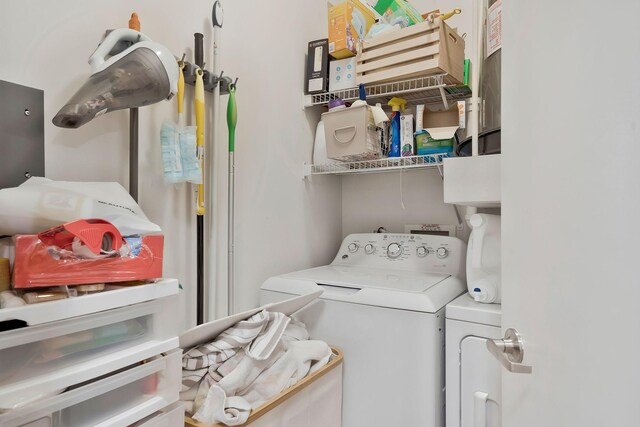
119, 399
45, 359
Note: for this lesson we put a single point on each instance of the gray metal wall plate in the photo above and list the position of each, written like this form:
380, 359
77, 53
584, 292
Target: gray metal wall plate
21, 133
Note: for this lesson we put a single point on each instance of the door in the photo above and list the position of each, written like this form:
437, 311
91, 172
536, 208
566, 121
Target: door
570, 211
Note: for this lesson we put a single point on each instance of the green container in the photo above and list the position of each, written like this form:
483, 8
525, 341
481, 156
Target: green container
427, 145
393, 9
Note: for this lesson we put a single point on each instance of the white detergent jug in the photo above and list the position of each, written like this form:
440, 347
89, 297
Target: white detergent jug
484, 259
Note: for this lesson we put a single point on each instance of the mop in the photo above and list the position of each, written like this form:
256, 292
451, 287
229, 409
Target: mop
199, 109
232, 118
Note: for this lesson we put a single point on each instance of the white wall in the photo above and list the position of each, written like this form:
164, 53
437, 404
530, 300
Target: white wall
282, 223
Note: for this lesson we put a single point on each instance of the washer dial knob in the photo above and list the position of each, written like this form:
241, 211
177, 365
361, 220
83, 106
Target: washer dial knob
353, 247
369, 249
394, 250
442, 253
422, 251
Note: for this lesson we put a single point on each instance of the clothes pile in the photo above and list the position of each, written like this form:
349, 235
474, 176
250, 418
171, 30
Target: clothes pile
246, 365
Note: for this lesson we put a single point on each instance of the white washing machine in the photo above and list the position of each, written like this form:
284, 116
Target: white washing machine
473, 375
383, 305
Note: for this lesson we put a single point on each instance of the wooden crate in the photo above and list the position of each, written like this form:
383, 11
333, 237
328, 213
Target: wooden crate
424, 49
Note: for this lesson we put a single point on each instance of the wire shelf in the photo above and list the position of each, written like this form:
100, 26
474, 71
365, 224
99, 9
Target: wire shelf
427, 90
378, 165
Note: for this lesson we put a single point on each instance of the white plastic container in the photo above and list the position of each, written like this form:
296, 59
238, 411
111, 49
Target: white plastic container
119, 399
42, 360
484, 259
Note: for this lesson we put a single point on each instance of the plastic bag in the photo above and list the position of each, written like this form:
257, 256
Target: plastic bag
41, 203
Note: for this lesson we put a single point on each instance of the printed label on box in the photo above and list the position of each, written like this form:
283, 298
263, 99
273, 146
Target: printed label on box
315, 84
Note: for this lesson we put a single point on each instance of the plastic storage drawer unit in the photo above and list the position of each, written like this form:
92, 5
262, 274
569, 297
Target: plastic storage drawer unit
42, 360
120, 399
171, 416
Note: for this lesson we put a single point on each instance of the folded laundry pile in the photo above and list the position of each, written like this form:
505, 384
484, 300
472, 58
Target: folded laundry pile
246, 365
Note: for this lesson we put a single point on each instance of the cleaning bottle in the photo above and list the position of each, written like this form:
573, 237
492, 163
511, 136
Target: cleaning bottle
396, 104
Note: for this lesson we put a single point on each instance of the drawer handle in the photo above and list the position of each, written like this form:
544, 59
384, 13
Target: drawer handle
341, 141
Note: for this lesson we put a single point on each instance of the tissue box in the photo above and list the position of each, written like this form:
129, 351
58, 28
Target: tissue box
439, 131
342, 74
348, 22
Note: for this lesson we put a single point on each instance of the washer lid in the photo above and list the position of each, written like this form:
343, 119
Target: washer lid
359, 277
466, 309
404, 290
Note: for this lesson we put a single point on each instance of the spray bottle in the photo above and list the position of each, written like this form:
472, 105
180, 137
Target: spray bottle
396, 104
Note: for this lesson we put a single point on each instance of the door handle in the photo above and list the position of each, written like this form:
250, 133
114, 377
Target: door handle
510, 352
480, 409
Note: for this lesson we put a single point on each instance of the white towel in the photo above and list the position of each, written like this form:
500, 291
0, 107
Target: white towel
217, 407
299, 359
204, 365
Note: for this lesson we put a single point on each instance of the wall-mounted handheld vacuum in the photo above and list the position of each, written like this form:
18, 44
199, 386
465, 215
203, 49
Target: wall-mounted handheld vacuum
142, 74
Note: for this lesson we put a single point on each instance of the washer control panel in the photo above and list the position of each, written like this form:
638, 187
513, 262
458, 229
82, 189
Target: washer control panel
403, 251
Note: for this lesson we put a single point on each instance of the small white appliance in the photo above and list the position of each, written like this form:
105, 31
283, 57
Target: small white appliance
484, 259
143, 74
383, 305
473, 375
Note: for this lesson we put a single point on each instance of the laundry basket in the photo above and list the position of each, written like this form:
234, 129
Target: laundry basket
315, 401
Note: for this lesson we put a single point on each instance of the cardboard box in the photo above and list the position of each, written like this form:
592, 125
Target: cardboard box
316, 78
407, 147
439, 131
348, 22
342, 74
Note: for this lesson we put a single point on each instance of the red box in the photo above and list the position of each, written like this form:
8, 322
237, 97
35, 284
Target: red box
36, 267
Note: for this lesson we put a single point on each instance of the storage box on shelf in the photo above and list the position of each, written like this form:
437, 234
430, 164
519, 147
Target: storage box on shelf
424, 49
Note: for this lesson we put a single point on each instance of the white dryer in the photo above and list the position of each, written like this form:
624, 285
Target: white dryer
473, 375
383, 304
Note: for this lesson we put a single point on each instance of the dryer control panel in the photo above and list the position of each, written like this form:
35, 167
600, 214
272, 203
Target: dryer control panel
412, 252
